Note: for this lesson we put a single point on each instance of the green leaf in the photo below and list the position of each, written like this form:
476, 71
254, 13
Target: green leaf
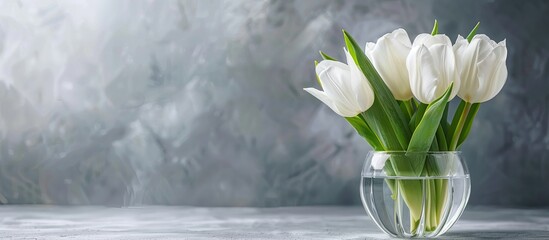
444, 120
455, 121
434, 146
468, 123
424, 134
365, 131
418, 115
443, 129
385, 116
326, 56
404, 109
435, 28
441, 139
379, 123
473, 32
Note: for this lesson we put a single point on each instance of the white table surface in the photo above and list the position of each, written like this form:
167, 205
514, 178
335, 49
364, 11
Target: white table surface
155, 222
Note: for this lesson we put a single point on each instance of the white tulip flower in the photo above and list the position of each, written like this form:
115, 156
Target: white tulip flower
388, 55
432, 67
345, 88
482, 67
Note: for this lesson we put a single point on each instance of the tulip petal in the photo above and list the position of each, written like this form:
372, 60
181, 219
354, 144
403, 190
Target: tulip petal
467, 55
429, 40
444, 59
423, 74
336, 81
421, 39
498, 82
364, 95
402, 37
484, 48
459, 39
432, 67
486, 39
459, 49
326, 64
388, 56
482, 68
323, 97
492, 74
398, 53
335, 72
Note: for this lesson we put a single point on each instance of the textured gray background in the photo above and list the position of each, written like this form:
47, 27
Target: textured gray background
200, 102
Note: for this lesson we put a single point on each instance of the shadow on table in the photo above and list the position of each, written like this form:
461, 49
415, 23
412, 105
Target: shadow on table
506, 234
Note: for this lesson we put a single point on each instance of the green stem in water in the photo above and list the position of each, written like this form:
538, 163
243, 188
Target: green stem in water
459, 128
441, 186
434, 209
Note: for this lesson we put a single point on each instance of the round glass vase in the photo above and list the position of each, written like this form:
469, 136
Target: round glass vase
415, 194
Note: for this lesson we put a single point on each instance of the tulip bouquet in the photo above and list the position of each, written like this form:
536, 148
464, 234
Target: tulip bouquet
396, 95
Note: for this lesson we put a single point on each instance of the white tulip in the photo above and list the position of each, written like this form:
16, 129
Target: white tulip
388, 55
379, 160
482, 67
432, 67
346, 90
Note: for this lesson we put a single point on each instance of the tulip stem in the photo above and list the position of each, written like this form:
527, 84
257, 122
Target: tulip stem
459, 128
409, 108
441, 138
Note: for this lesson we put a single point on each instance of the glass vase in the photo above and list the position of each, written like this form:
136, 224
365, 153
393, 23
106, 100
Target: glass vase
415, 194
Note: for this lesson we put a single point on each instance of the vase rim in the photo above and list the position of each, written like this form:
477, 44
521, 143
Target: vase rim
416, 152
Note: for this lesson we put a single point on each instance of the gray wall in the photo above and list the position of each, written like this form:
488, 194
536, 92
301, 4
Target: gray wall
200, 102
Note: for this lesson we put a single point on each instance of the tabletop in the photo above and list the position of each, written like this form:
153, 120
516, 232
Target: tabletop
161, 222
